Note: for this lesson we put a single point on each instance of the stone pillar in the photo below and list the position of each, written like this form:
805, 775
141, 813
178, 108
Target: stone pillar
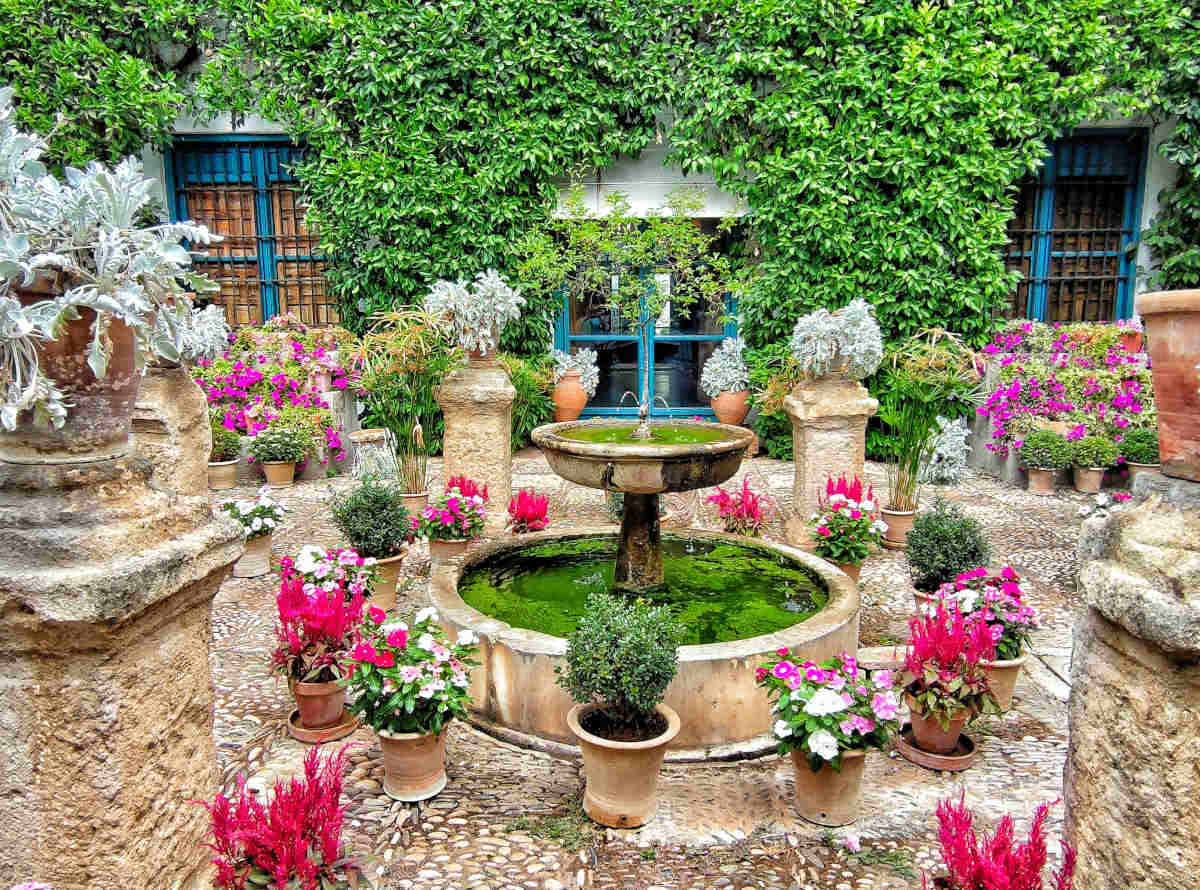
829, 430
477, 404
170, 430
106, 705
1133, 763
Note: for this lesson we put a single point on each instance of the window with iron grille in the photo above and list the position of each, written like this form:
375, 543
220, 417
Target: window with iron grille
1075, 228
243, 188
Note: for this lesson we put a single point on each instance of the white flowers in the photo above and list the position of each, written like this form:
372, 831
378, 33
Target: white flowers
256, 524
465, 638
823, 744
310, 558
824, 701
429, 613
782, 729
426, 642
879, 526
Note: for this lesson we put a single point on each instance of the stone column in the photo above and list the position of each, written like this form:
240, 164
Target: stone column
170, 429
829, 430
106, 704
477, 404
1133, 763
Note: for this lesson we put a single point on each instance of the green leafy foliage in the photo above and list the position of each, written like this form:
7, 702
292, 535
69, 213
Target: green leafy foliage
773, 373
1139, 446
533, 379
943, 543
1093, 451
281, 443
1048, 450
226, 443
373, 519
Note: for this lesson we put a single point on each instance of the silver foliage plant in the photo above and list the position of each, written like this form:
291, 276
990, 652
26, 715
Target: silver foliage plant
844, 342
84, 232
475, 313
725, 370
948, 461
205, 335
583, 361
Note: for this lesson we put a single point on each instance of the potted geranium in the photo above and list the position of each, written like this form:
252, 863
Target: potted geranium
946, 660
278, 449
1090, 457
827, 716
575, 380
744, 512
1139, 448
372, 518
452, 522
409, 682
475, 314
996, 599
528, 512
847, 527
258, 519
223, 456
726, 381
619, 662
1043, 452
318, 626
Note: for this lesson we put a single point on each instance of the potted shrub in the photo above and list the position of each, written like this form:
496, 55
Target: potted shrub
744, 512
1043, 452
949, 685
373, 519
1173, 327
1090, 457
943, 543
847, 526
1140, 450
278, 449
475, 314
575, 380
726, 381
453, 521
528, 512
619, 662
827, 716
318, 626
409, 682
258, 519
997, 600
223, 456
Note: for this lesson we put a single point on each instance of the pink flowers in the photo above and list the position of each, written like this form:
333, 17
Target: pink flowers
744, 512
528, 511
398, 638
848, 524
316, 627
884, 705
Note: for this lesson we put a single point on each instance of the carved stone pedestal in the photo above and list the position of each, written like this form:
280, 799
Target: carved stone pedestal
477, 403
829, 429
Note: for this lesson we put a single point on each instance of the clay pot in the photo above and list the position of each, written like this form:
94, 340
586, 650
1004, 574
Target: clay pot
1002, 679
899, 523
279, 473
444, 551
928, 733
853, 569
622, 777
569, 397
256, 560
1088, 479
222, 474
100, 417
384, 593
1131, 341
1055, 426
829, 797
731, 407
414, 765
1041, 481
319, 704
1172, 320
1136, 470
415, 504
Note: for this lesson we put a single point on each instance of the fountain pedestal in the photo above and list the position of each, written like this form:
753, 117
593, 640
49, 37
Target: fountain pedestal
639, 551
829, 429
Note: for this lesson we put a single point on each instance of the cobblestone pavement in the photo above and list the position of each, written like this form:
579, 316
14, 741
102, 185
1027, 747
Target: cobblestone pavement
510, 818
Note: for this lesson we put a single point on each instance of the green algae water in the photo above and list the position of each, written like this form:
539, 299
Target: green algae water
718, 591
664, 434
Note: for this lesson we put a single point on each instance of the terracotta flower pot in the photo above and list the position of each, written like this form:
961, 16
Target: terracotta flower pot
570, 397
319, 704
384, 593
222, 474
1088, 479
1041, 481
414, 765
1136, 470
853, 569
415, 503
279, 473
1172, 320
829, 797
622, 777
444, 551
1002, 679
899, 524
256, 560
731, 407
1131, 341
928, 733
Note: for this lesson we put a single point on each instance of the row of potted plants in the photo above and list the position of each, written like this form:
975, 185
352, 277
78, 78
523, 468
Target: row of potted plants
1046, 451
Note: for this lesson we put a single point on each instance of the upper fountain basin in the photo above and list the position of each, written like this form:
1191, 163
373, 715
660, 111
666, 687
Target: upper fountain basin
691, 454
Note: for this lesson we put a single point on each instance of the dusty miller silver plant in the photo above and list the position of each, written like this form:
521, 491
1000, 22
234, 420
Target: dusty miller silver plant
583, 361
475, 314
725, 370
948, 461
844, 342
205, 335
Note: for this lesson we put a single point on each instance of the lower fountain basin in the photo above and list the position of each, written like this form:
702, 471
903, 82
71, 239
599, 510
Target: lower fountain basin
724, 714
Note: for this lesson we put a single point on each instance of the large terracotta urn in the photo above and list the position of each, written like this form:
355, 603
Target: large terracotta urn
1172, 320
570, 397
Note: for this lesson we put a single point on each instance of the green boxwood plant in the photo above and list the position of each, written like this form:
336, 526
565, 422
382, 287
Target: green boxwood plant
280, 444
944, 542
1093, 452
1140, 446
1046, 450
226, 443
373, 519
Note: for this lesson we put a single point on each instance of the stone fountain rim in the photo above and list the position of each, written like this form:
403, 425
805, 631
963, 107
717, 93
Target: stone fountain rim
547, 436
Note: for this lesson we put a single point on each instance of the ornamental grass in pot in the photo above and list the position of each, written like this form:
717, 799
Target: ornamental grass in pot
372, 518
620, 660
1090, 457
454, 520
1139, 448
278, 449
910, 415
846, 527
576, 377
1044, 452
944, 543
827, 716
259, 519
223, 456
726, 381
409, 681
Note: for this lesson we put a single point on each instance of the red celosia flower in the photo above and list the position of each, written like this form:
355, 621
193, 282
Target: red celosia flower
468, 487
528, 512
